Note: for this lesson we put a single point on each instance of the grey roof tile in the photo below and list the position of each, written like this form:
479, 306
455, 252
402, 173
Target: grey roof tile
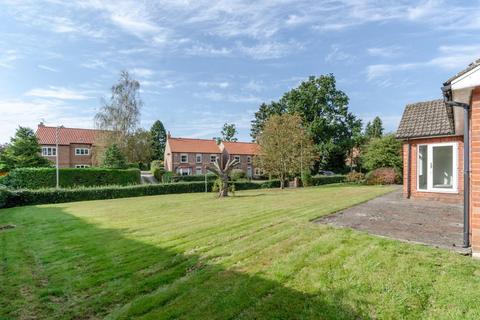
426, 119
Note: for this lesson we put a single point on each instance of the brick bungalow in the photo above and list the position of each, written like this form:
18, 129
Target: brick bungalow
441, 149
75, 146
188, 156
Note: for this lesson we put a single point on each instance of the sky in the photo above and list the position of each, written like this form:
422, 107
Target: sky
203, 63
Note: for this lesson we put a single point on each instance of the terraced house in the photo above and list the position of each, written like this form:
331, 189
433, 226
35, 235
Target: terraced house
188, 156
76, 147
441, 147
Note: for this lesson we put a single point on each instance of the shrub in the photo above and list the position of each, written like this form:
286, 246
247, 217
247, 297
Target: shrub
158, 173
321, 180
270, 184
355, 177
306, 178
36, 178
4, 196
385, 152
383, 176
167, 177
113, 158
156, 164
237, 174
194, 178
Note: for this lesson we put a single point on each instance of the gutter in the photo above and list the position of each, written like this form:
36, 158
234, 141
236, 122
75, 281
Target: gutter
448, 96
409, 166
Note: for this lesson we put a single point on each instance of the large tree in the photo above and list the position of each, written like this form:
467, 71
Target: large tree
324, 113
229, 131
159, 140
23, 151
285, 147
114, 158
374, 129
139, 147
120, 115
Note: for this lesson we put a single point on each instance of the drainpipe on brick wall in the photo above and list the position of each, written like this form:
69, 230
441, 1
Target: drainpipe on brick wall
466, 162
409, 169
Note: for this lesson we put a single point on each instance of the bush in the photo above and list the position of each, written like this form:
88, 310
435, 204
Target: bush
355, 177
383, 176
270, 184
238, 174
321, 180
158, 173
306, 178
167, 177
4, 196
36, 178
156, 164
44, 196
385, 152
194, 178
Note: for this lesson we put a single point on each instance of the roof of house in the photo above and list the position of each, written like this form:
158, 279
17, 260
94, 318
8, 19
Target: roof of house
66, 136
470, 67
426, 119
193, 145
242, 148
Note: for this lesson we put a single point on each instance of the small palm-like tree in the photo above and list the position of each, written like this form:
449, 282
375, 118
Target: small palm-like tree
223, 174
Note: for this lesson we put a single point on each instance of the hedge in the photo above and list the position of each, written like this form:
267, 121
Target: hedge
194, 178
320, 180
37, 178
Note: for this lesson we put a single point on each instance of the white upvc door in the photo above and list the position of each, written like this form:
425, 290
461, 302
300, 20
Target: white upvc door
437, 167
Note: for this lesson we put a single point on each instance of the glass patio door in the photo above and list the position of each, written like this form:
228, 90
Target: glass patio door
437, 167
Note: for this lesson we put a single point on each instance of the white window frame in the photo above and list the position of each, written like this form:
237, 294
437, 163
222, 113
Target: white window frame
212, 158
45, 151
198, 157
257, 172
238, 158
181, 171
82, 166
249, 159
78, 151
430, 187
197, 169
181, 158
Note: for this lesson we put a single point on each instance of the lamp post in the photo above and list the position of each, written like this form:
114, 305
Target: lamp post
57, 165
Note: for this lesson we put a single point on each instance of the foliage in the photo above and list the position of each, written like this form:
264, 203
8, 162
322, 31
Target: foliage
374, 129
158, 173
36, 178
383, 176
138, 147
285, 147
223, 173
322, 180
383, 152
355, 177
121, 114
167, 177
238, 174
324, 112
229, 132
159, 140
23, 151
4, 196
192, 178
306, 178
114, 158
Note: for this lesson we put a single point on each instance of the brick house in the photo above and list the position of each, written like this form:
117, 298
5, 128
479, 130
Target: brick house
188, 156
76, 147
441, 149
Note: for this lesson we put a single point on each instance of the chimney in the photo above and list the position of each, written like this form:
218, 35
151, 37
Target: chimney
41, 124
169, 135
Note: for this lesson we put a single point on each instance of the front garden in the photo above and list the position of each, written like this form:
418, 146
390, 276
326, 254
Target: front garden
256, 255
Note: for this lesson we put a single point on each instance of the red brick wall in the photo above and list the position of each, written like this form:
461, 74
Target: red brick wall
67, 157
456, 197
175, 161
475, 172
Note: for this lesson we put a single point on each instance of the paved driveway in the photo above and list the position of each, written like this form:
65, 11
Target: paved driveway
427, 222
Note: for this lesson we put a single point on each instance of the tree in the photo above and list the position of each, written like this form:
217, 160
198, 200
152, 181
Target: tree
286, 149
159, 140
325, 116
139, 147
384, 152
222, 174
374, 129
229, 132
121, 114
23, 151
114, 158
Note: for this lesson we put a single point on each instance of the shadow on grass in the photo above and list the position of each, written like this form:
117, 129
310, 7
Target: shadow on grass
73, 269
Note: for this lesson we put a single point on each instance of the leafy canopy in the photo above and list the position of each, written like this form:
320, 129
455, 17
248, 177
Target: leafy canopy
374, 129
384, 152
114, 158
229, 132
23, 151
323, 110
159, 140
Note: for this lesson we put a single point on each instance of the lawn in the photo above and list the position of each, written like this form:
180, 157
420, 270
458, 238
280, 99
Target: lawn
253, 256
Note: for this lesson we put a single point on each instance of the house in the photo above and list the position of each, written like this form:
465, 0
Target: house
188, 156
75, 146
441, 149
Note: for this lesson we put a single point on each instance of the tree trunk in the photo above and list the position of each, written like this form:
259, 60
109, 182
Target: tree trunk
282, 183
223, 192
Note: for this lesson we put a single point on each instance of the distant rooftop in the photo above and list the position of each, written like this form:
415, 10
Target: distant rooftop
66, 136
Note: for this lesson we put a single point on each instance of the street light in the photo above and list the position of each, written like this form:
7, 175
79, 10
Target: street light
57, 132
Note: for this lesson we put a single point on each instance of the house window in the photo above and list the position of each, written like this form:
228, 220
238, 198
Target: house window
249, 159
82, 166
437, 167
49, 151
213, 158
237, 158
258, 172
198, 170
198, 158
184, 171
184, 158
82, 151
249, 171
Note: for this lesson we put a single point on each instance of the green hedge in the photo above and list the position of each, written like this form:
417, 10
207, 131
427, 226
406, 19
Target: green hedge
37, 178
194, 178
320, 180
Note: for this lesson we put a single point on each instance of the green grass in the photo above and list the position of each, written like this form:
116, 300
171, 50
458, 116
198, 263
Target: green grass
253, 256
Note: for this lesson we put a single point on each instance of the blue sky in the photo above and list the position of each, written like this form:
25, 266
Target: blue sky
203, 63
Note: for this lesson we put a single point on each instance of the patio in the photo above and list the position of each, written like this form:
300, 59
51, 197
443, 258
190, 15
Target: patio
426, 222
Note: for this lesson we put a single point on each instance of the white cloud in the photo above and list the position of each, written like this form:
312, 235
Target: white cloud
57, 93
222, 84
94, 64
207, 51
384, 52
219, 96
44, 67
337, 54
142, 72
269, 50
7, 58
255, 86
